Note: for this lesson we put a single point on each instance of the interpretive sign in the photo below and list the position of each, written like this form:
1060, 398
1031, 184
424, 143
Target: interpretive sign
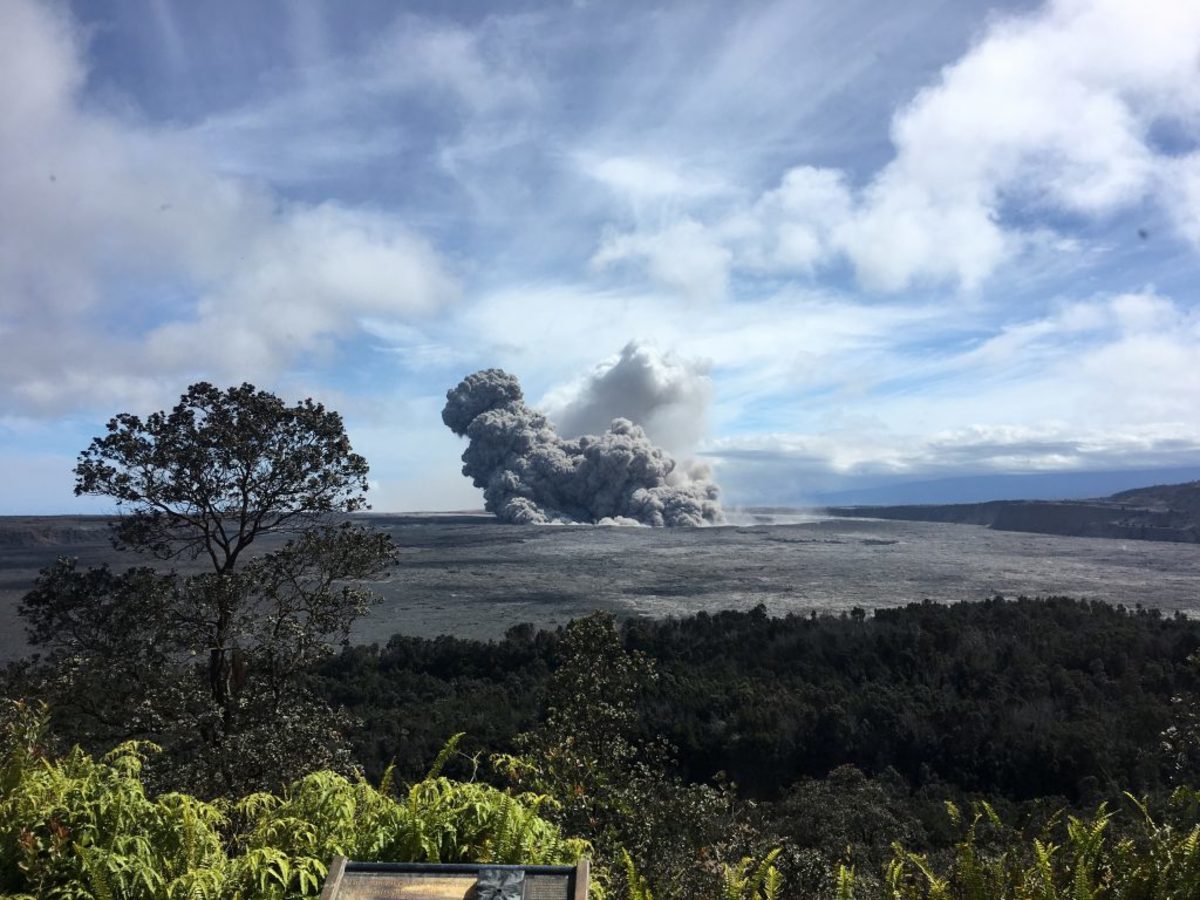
350, 880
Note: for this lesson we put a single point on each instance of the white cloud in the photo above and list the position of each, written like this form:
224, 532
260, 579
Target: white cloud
1122, 358
1111, 382
337, 113
684, 256
775, 343
693, 147
127, 263
1050, 447
1180, 187
793, 227
641, 178
1050, 111
308, 278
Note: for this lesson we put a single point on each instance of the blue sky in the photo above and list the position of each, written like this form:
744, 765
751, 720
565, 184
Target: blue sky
822, 246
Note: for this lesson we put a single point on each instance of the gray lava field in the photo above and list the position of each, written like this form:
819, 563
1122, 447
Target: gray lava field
472, 576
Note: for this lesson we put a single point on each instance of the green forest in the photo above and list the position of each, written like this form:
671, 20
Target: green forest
1016, 745
214, 734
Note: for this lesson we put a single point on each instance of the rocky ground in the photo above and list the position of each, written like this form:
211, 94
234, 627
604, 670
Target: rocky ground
472, 576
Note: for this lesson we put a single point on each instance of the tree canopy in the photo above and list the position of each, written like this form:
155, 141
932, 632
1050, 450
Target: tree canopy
221, 469
211, 664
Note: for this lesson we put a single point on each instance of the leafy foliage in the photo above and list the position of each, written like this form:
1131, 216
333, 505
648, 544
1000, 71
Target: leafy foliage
211, 666
841, 735
1014, 698
132, 656
221, 469
1076, 858
618, 790
77, 827
844, 736
752, 879
1022, 698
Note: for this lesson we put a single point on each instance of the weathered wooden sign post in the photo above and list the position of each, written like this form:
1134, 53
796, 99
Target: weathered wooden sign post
350, 880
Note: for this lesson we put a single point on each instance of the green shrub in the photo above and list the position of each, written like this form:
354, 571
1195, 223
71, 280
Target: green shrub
1072, 859
76, 828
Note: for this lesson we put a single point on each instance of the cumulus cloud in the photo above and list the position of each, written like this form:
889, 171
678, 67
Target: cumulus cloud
531, 475
794, 227
665, 394
1051, 109
1058, 110
127, 261
304, 278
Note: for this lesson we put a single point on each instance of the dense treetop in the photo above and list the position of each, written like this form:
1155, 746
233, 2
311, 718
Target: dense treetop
211, 665
220, 469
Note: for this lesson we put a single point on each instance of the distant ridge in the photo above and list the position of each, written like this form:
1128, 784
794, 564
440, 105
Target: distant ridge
980, 488
71, 530
44, 531
1166, 512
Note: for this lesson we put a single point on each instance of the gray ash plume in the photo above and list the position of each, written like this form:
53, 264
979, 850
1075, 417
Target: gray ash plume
530, 475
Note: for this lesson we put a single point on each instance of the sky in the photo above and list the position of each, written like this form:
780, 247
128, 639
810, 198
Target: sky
829, 249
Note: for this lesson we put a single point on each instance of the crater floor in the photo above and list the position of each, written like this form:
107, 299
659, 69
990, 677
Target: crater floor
475, 577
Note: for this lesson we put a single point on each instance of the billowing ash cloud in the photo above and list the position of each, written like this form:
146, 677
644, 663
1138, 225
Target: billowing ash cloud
664, 393
530, 475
